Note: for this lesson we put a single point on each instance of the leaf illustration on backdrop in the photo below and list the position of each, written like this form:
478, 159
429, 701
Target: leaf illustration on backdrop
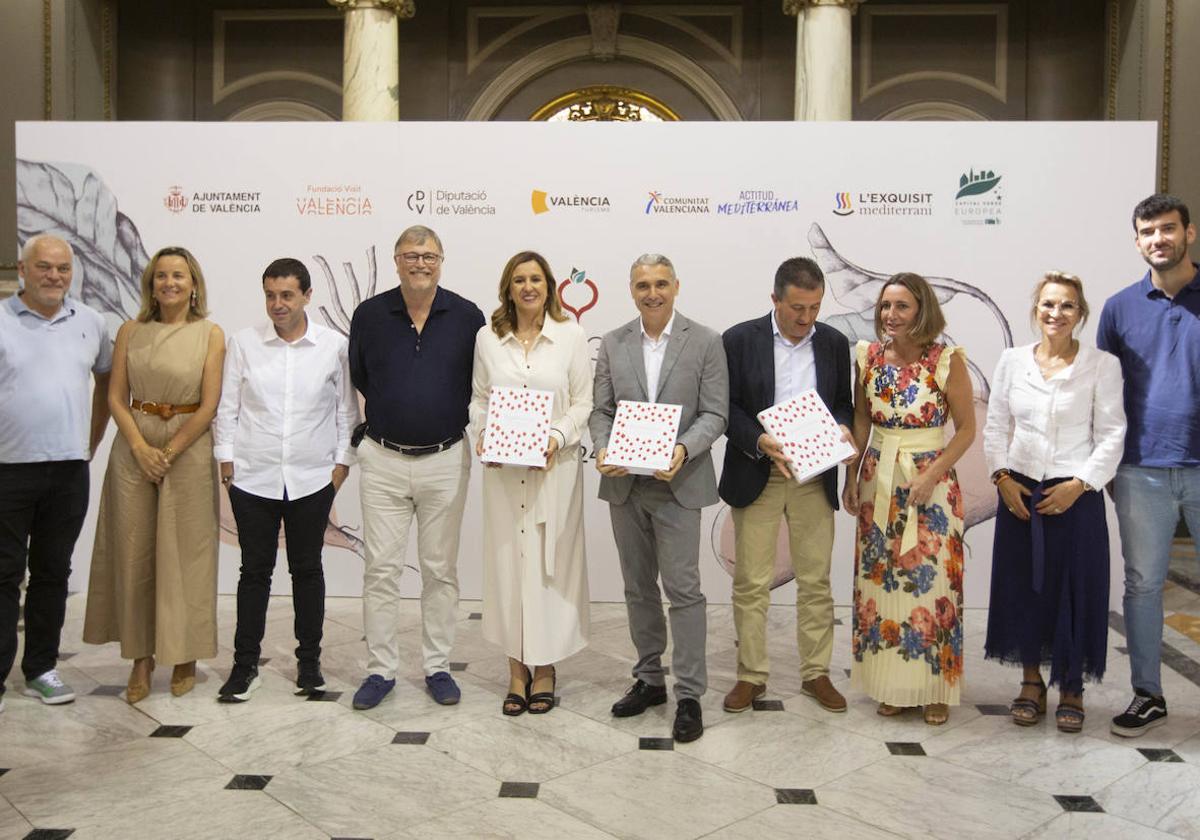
109, 255
340, 318
858, 289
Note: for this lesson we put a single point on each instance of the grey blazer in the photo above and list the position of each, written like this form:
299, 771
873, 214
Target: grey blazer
694, 375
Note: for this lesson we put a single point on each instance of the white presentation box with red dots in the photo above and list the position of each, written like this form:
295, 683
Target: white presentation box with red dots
643, 436
808, 433
518, 426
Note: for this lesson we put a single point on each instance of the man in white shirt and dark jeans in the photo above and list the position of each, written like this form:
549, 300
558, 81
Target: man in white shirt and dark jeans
282, 438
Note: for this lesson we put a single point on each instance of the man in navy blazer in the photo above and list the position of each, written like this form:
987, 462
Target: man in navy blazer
772, 359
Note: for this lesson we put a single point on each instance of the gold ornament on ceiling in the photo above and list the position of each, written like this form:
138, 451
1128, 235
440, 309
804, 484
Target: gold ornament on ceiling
604, 103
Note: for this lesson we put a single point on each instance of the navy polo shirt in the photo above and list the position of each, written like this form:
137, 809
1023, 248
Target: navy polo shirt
1157, 339
417, 385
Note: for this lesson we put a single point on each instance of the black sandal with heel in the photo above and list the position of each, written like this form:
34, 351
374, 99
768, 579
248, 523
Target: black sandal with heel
516, 704
543, 701
1026, 711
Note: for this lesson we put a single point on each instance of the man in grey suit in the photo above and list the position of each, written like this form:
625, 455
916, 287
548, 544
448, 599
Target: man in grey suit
661, 356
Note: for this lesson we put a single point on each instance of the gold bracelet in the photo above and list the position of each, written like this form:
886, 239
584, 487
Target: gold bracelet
168, 453
1000, 475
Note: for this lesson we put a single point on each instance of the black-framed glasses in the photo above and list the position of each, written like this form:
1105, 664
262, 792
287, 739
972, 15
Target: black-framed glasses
413, 257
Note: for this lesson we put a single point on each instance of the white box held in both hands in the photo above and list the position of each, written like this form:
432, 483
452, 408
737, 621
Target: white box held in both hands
643, 436
518, 426
808, 434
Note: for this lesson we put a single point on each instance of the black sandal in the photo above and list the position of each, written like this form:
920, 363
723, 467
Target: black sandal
543, 701
515, 704
1026, 711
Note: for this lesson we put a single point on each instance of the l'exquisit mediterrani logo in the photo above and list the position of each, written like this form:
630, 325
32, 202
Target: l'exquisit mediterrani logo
842, 204
980, 197
578, 285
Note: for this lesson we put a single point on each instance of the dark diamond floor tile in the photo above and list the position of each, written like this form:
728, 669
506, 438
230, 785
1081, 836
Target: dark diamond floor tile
656, 743
170, 731
4, 770
994, 709
107, 690
1079, 803
1124, 651
475, 616
1160, 755
519, 790
63, 657
847, 672
410, 738
768, 705
795, 796
351, 838
241, 782
263, 660
49, 834
324, 696
905, 748
458, 666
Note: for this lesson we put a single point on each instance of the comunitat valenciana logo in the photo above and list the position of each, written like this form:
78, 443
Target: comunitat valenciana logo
673, 205
980, 197
543, 202
577, 293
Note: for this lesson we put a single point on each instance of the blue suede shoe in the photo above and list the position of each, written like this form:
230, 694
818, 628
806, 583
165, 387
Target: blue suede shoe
443, 688
373, 690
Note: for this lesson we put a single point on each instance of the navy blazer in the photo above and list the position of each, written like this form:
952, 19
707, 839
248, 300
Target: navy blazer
749, 349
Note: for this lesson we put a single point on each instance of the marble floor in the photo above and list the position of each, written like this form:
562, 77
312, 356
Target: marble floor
280, 766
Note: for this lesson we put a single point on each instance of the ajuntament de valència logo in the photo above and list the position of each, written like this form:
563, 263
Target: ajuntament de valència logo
213, 202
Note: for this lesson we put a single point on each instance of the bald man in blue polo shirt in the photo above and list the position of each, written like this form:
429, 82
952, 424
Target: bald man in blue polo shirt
50, 346
1153, 327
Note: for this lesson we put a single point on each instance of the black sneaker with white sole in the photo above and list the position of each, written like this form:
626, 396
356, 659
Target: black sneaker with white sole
1143, 714
309, 679
242, 682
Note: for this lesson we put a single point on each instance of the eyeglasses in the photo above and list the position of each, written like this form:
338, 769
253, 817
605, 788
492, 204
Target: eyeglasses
412, 258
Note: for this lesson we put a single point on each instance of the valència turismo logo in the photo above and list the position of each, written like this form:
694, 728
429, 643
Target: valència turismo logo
980, 197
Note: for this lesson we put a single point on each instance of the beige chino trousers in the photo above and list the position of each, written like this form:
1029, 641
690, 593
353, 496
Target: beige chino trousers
810, 538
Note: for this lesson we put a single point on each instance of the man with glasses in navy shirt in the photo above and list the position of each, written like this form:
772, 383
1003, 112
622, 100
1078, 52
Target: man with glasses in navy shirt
411, 351
1153, 327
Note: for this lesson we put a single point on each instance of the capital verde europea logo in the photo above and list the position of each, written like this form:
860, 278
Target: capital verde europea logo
980, 197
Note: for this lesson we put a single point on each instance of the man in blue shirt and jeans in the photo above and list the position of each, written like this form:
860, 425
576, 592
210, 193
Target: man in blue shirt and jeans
1153, 327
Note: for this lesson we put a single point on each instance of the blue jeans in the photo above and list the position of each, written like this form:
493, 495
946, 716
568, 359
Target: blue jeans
1149, 501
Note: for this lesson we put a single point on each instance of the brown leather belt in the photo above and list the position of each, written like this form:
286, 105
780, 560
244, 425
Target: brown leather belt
164, 410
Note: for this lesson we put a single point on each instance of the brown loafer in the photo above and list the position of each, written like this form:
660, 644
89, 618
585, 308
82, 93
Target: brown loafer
822, 690
741, 696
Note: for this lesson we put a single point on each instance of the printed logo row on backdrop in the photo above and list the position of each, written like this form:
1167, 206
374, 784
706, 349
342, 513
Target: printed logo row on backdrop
978, 199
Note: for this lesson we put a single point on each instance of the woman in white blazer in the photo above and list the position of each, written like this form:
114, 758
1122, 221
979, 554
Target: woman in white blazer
535, 592
1054, 436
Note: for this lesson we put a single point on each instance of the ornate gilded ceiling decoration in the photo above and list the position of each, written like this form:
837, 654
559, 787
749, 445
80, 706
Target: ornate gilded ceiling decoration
605, 103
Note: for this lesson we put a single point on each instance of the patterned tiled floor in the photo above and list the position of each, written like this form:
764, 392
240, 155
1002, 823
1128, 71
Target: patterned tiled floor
281, 767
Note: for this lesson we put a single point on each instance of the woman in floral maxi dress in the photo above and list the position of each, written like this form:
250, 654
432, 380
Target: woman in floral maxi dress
907, 633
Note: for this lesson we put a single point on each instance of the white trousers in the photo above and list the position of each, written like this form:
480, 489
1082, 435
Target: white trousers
394, 489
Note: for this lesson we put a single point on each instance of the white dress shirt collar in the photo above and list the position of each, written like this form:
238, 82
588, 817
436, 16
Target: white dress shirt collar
654, 352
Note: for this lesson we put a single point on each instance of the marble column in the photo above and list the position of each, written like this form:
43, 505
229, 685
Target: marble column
823, 57
371, 58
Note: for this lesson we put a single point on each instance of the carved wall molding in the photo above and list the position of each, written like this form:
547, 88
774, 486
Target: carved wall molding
223, 89
631, 48
676, 16
403, 8
107, 56
531, 18
604, 19
281, 111
996, 88
47, 60
1164, 178
934, 110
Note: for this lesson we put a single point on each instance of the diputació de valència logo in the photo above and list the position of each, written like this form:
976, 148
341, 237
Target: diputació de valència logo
980, 198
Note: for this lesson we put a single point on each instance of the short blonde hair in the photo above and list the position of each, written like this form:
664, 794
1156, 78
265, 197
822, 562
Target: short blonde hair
197, 308
930, 321
1062, 279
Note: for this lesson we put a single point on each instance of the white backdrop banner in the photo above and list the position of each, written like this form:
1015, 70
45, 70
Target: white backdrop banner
979, 209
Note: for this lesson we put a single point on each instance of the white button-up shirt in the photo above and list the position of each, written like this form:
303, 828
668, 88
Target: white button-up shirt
653, 353
795, 364
1071, 425
287, 411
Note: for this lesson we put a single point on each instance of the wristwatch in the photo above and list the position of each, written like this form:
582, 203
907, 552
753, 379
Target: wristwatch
1000, 475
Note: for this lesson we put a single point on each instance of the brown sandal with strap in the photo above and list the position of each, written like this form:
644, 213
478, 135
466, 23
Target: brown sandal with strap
1026, 711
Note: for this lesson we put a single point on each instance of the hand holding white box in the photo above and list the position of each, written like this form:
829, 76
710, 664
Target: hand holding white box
643, 436
518, 426
808, 434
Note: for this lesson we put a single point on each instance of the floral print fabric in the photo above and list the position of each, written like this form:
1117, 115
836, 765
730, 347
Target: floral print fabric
907, 633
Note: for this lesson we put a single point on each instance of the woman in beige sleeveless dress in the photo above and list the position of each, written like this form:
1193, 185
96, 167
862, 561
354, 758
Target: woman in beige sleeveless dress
153, 580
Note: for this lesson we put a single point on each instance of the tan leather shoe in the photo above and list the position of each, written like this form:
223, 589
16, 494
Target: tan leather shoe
741, 696
822, 690
139, 680
183, 678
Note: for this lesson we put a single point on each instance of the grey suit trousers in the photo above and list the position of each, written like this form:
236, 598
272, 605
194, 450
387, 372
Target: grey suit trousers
656, 536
